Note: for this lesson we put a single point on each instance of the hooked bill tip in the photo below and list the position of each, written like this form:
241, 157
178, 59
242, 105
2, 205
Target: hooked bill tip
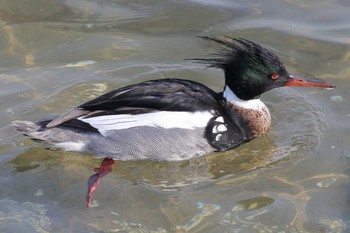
330, 88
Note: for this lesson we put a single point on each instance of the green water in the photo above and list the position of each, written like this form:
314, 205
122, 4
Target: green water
58, 54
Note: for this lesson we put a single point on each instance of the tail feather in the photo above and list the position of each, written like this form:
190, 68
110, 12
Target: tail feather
35, 130
58, 137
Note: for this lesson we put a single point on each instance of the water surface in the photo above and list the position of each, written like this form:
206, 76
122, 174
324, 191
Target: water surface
56, 55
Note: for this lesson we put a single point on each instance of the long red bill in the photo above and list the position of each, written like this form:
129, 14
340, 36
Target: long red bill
300, 82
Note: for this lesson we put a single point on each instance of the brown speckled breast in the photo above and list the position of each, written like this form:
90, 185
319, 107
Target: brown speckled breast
258, 120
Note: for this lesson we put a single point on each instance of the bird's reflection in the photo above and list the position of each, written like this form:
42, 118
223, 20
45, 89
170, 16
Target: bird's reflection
159, 174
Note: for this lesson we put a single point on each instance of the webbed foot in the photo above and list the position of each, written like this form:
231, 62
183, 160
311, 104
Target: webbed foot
94, 180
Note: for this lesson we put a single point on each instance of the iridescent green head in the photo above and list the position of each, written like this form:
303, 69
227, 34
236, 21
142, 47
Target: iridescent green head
251, 70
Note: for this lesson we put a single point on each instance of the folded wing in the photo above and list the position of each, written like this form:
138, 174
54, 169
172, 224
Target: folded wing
166, 103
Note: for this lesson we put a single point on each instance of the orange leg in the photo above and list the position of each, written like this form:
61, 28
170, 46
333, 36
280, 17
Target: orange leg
94, 180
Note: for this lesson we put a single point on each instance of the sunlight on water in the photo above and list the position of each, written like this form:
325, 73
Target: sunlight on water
26, 215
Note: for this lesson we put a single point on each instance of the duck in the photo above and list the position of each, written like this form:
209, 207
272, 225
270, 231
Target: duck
174, 119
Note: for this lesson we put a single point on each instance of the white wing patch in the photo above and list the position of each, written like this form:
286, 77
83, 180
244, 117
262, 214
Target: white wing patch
163, 119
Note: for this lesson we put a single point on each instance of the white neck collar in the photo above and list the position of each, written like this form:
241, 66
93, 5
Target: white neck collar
254, 104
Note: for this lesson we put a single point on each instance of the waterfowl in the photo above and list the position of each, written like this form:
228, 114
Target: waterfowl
173, 119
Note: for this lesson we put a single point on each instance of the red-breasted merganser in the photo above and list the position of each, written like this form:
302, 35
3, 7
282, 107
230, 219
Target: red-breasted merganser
173, 119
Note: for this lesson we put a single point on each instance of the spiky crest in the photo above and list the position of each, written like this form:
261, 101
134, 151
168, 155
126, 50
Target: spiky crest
237, 51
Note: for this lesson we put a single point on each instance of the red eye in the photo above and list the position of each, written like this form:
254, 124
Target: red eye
274, 76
